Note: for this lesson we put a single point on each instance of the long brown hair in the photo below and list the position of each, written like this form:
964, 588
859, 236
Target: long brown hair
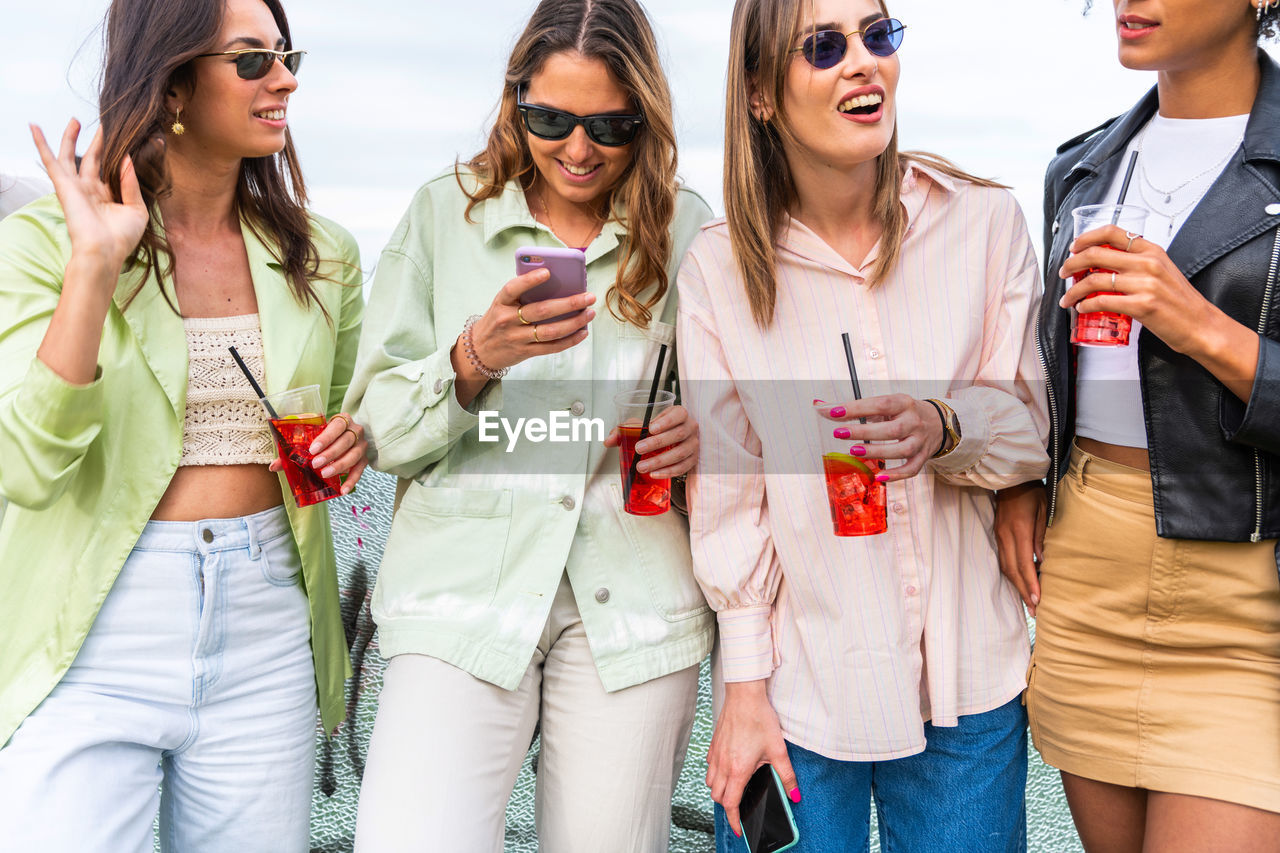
150, 45
617, 33
758, 187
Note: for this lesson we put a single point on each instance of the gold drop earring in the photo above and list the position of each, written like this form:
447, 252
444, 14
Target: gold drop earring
177, 128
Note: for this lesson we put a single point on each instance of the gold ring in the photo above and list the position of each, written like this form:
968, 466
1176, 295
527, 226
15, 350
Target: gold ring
346, 420
1131, 237
536, 339
520, 314
353, 434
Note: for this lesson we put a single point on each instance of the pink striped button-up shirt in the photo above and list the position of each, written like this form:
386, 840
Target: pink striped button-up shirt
864, 639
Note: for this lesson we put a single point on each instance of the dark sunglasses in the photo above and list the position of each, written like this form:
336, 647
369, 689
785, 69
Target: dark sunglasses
253, 63
826, 48
608, 130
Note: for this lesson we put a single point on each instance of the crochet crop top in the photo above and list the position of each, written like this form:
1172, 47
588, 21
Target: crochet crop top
224, 423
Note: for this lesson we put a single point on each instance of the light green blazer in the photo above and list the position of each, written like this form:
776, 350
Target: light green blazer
84, 466
482, 536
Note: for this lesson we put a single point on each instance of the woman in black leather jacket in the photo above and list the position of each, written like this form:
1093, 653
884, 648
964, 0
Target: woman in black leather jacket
1155, 682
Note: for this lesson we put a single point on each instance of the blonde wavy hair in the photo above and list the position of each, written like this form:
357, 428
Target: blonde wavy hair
758, 188
616, 32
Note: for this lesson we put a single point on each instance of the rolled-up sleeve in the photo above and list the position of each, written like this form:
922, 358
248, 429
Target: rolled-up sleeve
46, 423
402, 390
733, 552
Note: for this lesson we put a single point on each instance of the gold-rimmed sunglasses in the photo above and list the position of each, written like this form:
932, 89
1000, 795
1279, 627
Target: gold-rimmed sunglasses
253, 63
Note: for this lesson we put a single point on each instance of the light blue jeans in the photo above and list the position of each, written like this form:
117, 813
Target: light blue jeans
966, 793
194, 695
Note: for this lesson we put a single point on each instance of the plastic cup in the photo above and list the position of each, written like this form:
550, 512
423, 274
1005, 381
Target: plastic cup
641, 493
1104, 328
857, 501
299, 418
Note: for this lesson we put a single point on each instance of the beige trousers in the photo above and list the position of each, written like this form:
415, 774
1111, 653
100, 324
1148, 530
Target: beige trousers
447, 747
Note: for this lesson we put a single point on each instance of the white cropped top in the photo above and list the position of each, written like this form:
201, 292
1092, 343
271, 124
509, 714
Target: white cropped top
224, 423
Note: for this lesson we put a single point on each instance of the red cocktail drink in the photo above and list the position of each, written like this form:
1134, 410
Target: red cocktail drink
294, 434
641, 493
295, 421
857, 500
1101, 328
1104, 328
644, 495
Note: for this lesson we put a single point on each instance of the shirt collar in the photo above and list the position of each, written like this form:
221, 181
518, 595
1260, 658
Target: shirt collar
510, 210
917, 180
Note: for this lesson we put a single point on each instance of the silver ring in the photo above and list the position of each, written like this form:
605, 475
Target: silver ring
1113, 281
1131, 237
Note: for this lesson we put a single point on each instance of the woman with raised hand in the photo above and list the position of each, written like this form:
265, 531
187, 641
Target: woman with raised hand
515, 594
888, 664
169, 617
1156, 676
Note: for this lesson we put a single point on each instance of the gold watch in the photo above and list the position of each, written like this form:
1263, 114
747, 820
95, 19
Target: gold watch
950, 426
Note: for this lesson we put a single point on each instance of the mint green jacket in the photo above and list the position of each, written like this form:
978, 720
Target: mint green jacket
481, 536
84, 466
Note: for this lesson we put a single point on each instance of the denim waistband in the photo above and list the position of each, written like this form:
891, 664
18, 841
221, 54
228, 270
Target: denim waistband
215, 534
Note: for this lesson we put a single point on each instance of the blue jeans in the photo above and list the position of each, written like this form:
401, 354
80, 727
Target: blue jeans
966, 793
192, 697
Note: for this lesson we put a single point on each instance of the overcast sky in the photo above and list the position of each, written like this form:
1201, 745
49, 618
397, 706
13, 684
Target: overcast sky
393, 90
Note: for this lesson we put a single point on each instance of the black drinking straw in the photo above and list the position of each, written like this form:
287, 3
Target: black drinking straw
295, 456
1124, 186
853, 371
648, 412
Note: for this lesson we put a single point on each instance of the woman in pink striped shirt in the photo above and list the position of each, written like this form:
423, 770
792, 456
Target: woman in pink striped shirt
890, 663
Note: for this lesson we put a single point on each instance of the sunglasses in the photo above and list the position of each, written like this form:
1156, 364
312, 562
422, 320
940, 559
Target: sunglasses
827, 48
253, 63
608, 130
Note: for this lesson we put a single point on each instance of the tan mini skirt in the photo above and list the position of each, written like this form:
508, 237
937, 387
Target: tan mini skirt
1157, 661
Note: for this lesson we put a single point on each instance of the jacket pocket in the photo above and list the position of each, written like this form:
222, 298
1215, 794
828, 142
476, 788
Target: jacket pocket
662, 549
446, 550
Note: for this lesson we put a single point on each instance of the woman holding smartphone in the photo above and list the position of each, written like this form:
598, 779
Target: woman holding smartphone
889, 663
515, 594
1156, 673
169, 617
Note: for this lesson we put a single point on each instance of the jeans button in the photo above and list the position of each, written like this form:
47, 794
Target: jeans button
602, 595
206, 535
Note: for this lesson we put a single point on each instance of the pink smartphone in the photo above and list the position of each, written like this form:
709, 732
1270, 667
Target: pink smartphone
568, 269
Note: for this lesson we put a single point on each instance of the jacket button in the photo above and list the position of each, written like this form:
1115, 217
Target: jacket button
602, 595
438, 388
568, 502
207, 535
577, 408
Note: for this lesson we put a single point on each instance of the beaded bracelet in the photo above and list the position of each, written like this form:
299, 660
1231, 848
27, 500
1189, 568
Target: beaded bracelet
469, 350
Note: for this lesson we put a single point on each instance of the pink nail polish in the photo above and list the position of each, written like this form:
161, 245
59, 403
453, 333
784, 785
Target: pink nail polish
857, 449
818, 402
842, 432
794, 795
838, 412
882, 478
736, 832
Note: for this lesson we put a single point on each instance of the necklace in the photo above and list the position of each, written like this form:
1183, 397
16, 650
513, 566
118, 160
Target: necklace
1145, 181
551, 224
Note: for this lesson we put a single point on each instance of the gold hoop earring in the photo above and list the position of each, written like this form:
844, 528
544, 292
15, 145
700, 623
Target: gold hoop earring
177, 128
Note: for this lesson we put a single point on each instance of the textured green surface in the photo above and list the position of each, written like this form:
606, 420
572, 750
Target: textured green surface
361, 523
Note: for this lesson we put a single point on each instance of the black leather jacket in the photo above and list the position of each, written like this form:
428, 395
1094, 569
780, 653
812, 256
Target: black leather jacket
1215, 461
